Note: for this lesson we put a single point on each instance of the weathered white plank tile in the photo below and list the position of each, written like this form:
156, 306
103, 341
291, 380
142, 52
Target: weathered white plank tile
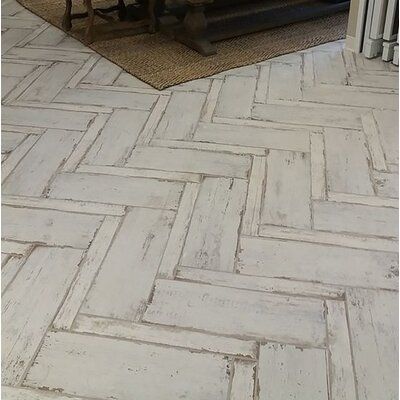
8, 83
13, 69
308, 70
289, 372
247, 70
30, 303
355, 218
117, 138
387, 184
48, 37
318, 263
308, 115
265, 124
374, 142
236, 97
197, 85
55, 228
65, 107
43, 54
47, 86
10, 140
83, 71
107, 98
388, 126
8, 22
290, 58
24, 84
11, 37
84, 144
340, 367
87, 272
4, 258
373, 322
10, 270
261, 93
32, 175
128, 370
156, 114
287, 173
64, 205
179, 231
370, 64
16, 156
204, 146
251, 217
46, 118
336, 239
361, 199
10, 247
103, 73
280, 139
125, 279
124, 89
27, 130
347, 162
318, 167
141, 173
181, 116
165, 335
185, 160
70, 43
243, 380
284, 82
11, 8
374, 81
211, 101
329, 68
13, 393
350, 96
237, 312
259, 283
127, 80
137, 192
213, 232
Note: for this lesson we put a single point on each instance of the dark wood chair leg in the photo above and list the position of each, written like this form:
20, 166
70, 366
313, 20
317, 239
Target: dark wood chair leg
90, 23
121, 10
152, 15
66, 22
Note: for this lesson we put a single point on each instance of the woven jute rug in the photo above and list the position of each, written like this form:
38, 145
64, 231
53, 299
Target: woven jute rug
162, 62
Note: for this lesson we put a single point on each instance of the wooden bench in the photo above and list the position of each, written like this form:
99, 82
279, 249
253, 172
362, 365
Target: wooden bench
207, 21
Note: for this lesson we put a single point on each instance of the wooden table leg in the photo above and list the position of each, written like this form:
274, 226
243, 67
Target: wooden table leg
121, 10
66, 22
90, 22
151, 9
194, 33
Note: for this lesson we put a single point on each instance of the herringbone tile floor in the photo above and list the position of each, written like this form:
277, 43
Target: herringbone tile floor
229, 238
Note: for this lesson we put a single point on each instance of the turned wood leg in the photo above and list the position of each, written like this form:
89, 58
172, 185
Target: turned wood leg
90, 21
195, 21
121, 10
66, 22
195, 24
152, 15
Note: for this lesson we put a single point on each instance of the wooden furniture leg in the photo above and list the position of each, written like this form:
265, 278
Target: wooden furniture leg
121, 10
194, 33
66, 22
151, 9
90, 22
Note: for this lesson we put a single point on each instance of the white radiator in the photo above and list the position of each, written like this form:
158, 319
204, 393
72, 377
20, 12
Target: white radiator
381, 28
